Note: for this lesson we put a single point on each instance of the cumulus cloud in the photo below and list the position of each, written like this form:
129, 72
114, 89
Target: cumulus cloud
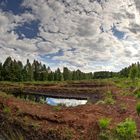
90, 34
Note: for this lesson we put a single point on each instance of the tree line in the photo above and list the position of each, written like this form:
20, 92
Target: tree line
13, 70
132, 72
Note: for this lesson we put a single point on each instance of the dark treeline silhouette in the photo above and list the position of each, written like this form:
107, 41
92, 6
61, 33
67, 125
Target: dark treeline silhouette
104, 74
12, 70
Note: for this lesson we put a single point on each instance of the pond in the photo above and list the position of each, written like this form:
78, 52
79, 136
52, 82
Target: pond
53, 101
66, 102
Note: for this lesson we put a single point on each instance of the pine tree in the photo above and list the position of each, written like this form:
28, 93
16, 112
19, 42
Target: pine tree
7, 69
67, 74
36, 70
29, 70
74, 75
51, 76
44, 73
58, 75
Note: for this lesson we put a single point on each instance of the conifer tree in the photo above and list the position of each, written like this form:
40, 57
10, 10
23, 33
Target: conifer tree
7, 69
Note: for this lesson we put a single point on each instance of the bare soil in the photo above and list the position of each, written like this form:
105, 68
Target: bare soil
44, 122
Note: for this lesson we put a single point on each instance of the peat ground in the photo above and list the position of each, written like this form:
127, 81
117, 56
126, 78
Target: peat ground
34, 121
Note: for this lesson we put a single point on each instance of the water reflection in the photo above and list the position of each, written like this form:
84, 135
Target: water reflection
53, 101
66, 102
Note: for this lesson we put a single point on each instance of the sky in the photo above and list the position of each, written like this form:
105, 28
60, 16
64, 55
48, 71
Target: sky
90, 35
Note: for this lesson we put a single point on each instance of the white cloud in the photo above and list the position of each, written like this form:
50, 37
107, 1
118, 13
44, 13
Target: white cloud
82, 29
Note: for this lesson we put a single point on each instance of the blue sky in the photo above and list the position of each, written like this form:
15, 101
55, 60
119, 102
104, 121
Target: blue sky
87, 35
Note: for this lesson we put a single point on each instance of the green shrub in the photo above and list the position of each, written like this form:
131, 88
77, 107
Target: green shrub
104, 123
138, 108
126, 130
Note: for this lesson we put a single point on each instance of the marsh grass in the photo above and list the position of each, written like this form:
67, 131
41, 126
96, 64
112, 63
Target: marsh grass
10, 134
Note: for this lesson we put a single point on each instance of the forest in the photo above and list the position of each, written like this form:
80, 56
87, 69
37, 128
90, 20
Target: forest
14, 70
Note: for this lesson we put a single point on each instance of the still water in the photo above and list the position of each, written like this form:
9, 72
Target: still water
66, 102
54, 101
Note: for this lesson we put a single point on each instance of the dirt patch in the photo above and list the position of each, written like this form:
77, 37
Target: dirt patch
40, 122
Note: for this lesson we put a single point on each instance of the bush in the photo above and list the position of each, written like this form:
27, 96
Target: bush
138, 108
104, 123
126, 130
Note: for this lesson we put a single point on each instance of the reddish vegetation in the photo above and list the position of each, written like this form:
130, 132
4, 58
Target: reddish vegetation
40, 122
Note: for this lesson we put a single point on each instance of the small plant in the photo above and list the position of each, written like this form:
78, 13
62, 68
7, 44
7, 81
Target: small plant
104, 123
7, 110
138, 95
109, 101
42, 100
35, 125
104, 132
123, 108
68, 134
109, 98
138, 108
57, 108
126, 130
